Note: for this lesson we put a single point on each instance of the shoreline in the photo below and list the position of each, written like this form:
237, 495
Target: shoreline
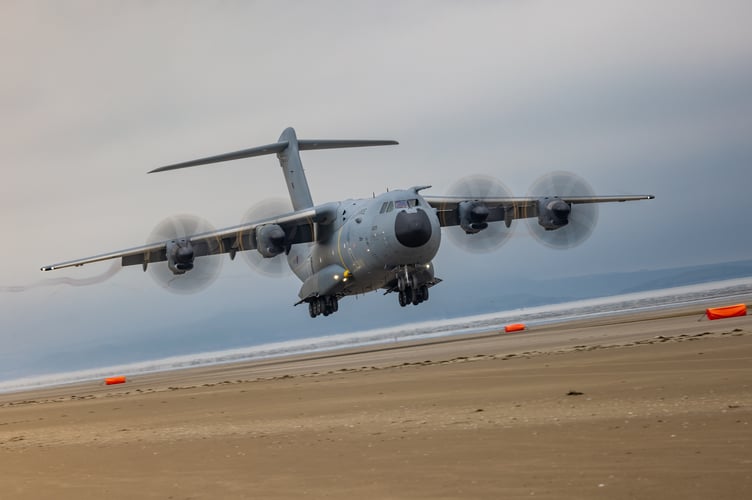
406, 348
193, 361
644, 405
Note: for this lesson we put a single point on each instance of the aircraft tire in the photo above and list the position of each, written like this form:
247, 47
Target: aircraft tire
312, 309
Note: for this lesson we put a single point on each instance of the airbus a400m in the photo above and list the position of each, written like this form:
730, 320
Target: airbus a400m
352, 247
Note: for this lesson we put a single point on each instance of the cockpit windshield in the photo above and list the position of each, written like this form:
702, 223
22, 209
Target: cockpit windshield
405, 203
388, 206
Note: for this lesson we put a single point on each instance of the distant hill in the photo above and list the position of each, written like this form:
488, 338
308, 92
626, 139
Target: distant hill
547, 291
667, 278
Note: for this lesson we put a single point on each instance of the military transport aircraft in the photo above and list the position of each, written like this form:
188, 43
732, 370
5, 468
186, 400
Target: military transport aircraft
356, 246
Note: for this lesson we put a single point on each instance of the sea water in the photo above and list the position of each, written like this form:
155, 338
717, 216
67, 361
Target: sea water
730, 291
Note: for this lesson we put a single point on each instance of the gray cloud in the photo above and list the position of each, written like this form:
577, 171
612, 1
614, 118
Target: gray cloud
634, 96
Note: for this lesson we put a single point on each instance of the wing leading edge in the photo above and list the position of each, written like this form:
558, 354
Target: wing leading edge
508, 209
299, 226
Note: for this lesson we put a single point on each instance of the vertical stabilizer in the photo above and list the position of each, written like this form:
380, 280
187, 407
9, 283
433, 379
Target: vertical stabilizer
289, 160
288, 151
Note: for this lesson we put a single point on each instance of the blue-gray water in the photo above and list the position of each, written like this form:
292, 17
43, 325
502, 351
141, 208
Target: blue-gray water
730, 291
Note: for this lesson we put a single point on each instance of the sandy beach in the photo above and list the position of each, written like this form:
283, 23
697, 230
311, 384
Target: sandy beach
651, 405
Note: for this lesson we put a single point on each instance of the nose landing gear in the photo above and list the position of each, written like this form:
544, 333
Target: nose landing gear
413, 283
326, 305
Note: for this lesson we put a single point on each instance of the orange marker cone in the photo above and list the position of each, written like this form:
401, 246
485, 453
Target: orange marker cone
115, 380
726, 312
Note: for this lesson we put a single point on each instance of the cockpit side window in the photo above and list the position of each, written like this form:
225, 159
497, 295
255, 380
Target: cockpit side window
390, 206
383, 207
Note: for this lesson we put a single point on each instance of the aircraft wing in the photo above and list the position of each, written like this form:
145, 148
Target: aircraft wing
298, 226
508, 208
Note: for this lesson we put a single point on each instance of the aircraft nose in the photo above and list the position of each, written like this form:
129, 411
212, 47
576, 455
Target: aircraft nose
412, 229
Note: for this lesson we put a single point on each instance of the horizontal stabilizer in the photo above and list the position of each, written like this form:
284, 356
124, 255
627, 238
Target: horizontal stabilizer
304, 144
277, 147
236, 155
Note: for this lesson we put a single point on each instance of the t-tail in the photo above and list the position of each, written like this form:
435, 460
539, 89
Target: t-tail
288, 152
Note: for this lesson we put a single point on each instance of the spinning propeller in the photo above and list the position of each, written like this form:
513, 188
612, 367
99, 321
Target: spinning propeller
198, 270
273, 266
581, 217
495, 234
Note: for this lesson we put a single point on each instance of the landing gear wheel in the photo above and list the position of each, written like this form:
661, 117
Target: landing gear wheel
323, 305
417, 296
401, 299
409, 295
424, 292
330, 305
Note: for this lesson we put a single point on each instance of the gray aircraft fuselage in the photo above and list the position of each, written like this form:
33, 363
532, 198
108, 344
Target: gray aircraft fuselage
372, 239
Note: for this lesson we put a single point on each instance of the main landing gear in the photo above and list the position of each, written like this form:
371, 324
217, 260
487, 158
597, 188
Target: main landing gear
413, 296
325, 305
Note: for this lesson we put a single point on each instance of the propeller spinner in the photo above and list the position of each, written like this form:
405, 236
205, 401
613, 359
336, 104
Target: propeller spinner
188, 269
268, 266
476, 235
560, 224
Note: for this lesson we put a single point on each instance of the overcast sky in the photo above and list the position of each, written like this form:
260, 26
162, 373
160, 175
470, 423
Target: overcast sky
635, 96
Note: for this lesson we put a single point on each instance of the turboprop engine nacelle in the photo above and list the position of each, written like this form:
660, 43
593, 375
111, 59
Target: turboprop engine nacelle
270, 240
473, 215
179, 256
553, 213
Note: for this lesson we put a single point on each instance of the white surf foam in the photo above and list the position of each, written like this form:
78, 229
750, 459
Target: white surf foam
642, 301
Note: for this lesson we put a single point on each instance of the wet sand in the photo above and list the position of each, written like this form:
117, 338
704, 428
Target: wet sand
653, 405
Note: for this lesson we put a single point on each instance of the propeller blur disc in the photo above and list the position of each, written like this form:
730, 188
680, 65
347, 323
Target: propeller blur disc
275, 266
206, 268
496, 234
582, 218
